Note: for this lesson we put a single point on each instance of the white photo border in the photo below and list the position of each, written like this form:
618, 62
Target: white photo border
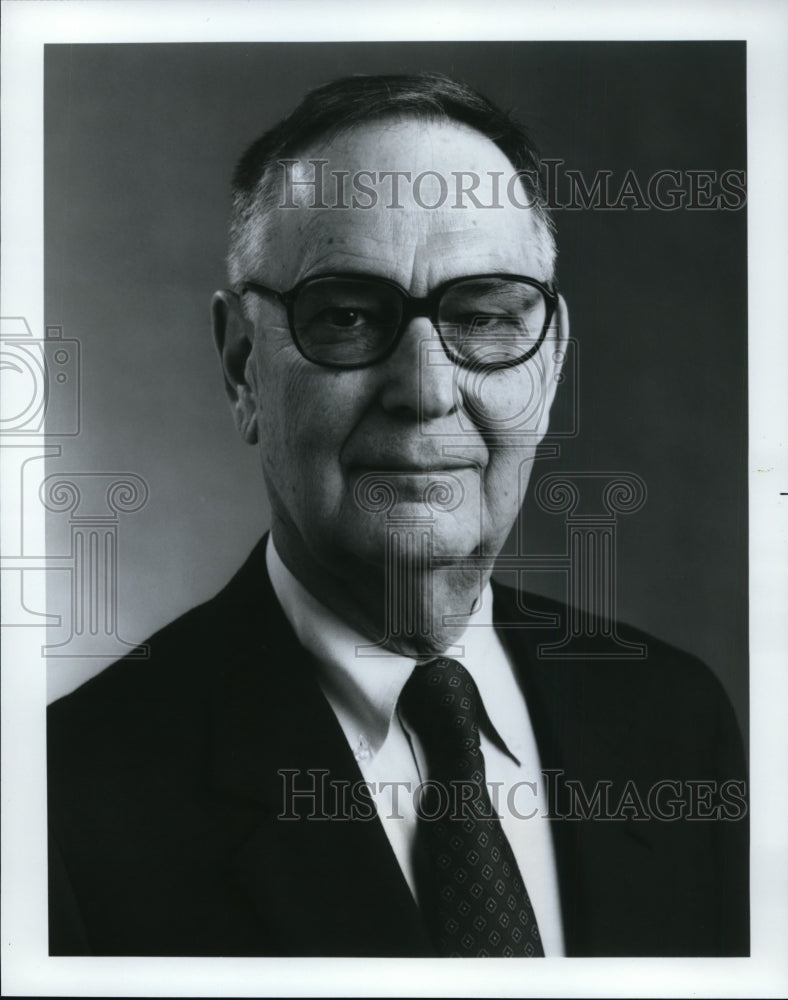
27, 27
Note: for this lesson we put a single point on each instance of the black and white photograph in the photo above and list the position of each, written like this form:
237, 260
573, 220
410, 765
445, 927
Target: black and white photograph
383, 506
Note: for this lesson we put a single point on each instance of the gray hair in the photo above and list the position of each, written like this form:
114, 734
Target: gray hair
356, 100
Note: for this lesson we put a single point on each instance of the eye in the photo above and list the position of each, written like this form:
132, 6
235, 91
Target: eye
500, 324
479, 322
339, 317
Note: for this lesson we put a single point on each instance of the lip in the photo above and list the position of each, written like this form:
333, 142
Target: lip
416, 468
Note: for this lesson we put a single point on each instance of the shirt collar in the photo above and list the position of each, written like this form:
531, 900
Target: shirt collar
363, 682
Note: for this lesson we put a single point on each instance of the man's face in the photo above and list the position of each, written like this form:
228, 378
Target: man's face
414, 418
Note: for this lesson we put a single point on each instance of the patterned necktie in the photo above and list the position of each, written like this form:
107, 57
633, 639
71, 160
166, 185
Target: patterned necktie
469, 887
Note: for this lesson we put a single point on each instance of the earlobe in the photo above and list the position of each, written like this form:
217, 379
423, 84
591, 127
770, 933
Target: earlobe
233, 335
557, 339
562, 317
554, 348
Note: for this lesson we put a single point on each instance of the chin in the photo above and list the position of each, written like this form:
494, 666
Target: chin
452, 539
374, 539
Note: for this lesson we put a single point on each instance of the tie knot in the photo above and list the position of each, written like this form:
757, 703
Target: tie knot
440, 700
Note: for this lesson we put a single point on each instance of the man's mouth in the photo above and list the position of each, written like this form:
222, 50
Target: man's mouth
419, 465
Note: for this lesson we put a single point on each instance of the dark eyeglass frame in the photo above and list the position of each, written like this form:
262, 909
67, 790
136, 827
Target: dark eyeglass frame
412, 307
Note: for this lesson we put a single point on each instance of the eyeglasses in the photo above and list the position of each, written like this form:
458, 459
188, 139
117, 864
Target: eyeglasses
485, 321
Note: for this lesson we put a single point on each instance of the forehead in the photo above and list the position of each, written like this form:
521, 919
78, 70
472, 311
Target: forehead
413, 200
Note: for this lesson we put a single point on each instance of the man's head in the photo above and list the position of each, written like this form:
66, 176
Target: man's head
371, 412
353, 102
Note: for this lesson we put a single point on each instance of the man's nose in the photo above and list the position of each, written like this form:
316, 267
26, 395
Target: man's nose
420, 377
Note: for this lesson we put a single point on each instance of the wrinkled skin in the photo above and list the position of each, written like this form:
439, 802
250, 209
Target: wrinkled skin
318, 430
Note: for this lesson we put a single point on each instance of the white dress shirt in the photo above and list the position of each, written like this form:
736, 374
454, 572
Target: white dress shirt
363, 684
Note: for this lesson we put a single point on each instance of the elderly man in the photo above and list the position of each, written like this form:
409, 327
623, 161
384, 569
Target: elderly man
355, 748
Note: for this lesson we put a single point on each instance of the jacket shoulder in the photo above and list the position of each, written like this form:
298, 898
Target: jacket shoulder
642, 696
546, 626
162, 691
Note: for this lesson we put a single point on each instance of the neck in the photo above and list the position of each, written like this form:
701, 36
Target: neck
407, 607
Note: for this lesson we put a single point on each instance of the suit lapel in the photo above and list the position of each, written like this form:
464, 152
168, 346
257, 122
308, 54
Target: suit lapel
332, 886
326, 883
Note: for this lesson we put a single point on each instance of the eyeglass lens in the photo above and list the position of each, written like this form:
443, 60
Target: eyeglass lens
482, 321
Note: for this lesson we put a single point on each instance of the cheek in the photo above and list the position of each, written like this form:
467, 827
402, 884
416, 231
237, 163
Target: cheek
507, 478
510, 407
305, 414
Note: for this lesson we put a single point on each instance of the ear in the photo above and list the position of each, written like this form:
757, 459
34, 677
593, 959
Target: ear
233, 334
555, 352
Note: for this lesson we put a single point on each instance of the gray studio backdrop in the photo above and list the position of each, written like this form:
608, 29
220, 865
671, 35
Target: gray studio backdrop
140, 141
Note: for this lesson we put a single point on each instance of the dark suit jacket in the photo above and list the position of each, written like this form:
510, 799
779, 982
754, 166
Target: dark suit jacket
164, 794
